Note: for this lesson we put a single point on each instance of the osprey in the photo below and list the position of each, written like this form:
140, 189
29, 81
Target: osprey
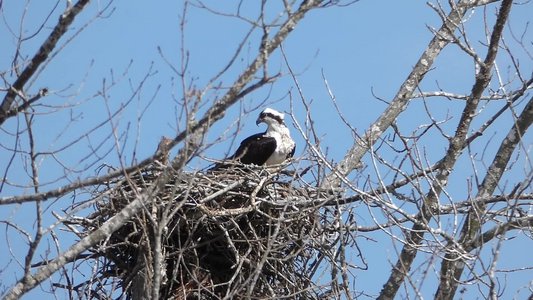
271, 147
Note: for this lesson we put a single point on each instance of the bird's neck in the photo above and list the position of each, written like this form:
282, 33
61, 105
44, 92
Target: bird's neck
276, 128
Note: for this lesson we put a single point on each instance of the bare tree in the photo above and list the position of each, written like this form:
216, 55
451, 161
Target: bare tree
113, 215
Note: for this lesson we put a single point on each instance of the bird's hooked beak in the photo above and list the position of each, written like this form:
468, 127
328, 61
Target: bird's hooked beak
259, 121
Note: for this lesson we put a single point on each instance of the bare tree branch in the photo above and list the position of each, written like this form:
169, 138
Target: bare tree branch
452, 267
42, 54
442, 38
438, 180
457, 144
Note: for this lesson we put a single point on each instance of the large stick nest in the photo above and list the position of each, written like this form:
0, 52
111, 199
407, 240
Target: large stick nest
238, 232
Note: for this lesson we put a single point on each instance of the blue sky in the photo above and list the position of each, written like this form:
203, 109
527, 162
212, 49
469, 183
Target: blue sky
368, 47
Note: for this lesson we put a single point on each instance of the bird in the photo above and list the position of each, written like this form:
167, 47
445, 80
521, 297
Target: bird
272, 147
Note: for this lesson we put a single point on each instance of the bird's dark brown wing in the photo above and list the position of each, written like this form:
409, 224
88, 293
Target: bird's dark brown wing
255, 149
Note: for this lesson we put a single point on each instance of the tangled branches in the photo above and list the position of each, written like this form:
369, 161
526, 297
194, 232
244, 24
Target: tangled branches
236, 233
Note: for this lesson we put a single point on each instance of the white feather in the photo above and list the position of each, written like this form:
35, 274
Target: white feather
280, 132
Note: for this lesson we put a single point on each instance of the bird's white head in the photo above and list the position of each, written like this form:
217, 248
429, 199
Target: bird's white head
271, 117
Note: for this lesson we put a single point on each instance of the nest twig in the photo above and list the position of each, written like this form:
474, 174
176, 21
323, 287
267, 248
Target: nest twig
233, 233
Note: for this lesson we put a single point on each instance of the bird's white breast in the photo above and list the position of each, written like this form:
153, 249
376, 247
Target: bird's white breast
284, 145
